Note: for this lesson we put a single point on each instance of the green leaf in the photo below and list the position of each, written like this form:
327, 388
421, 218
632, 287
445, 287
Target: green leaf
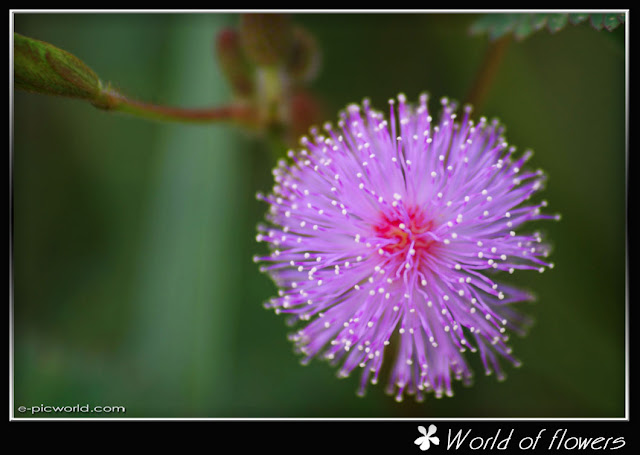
596, 21
578, 18
611, 21
43, 68
524, 25
524, 28
503, 27
539, 21
557, 22
495, 25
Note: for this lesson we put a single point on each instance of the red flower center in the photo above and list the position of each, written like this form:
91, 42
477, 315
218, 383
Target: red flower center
406, 230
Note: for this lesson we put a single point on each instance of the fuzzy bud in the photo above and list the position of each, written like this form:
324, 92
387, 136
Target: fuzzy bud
234, 63
266, 38
43, 68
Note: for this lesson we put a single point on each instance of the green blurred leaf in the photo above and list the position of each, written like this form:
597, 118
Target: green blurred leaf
523, 29
578, 18
596, 21
495, 25
539, 21
187, 273
611, 21
524, 25
557, 22
43, 68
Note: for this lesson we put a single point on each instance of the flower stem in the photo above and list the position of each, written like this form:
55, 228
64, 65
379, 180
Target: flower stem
234, 113
487, 72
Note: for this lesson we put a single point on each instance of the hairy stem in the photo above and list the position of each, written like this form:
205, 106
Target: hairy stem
235, 113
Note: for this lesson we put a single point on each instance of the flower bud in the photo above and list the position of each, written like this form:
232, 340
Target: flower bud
234, 63
266, 38
43, 68
304, 60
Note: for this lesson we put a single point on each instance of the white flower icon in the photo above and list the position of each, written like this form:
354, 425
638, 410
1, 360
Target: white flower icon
427, 439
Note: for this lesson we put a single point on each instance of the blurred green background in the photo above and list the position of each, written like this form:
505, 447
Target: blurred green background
133, 279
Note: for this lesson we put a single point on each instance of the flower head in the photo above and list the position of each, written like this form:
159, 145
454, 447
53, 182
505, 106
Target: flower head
387, 234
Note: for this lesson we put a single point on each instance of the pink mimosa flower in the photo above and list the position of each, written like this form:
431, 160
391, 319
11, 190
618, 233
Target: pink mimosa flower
386, 236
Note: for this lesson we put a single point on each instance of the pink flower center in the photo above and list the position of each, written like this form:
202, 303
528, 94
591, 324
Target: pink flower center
406, 231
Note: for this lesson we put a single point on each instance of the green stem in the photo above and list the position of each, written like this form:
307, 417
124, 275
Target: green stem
238, 114
487, 72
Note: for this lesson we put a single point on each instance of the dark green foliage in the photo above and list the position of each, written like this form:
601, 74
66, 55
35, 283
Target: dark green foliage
523, 25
